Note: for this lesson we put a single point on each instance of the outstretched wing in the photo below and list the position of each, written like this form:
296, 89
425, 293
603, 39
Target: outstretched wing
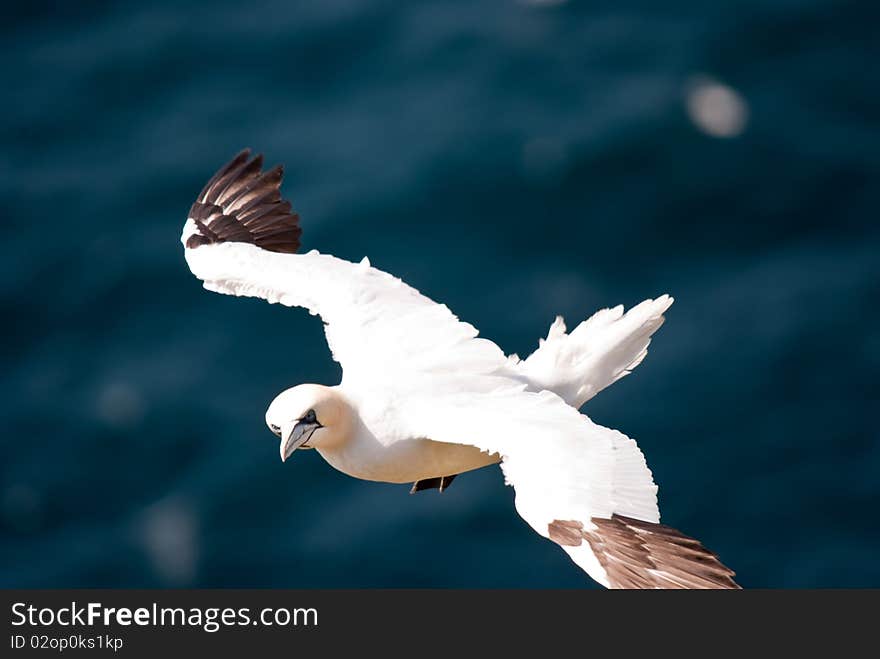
239, 239
581, 485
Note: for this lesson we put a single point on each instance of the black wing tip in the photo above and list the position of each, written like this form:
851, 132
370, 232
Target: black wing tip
237, 159
639, 554
242, 203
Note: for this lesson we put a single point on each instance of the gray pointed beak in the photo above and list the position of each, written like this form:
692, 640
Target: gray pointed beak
295, 435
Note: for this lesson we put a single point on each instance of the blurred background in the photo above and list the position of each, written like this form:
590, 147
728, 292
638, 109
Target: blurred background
515, 160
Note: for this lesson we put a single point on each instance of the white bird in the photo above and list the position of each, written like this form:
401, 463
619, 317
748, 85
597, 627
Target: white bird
422, 399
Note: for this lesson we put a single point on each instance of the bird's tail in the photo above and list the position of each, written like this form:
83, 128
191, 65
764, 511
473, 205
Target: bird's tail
601, 350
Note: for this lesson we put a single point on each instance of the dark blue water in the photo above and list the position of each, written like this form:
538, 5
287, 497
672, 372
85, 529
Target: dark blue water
512, 161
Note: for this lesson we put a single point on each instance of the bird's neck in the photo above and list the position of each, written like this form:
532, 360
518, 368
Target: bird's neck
345, 421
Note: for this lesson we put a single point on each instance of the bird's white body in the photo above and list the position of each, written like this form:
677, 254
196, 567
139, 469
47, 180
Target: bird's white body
423, 397
575, 366
405, 460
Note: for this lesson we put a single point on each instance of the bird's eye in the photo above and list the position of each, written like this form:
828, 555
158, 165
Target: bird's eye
310, 417
275, 429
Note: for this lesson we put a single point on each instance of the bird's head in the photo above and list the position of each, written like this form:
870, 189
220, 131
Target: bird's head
309, 416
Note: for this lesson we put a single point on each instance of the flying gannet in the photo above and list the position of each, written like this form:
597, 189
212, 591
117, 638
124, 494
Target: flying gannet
422, 399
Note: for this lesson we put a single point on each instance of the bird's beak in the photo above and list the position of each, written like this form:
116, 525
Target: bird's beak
294, 435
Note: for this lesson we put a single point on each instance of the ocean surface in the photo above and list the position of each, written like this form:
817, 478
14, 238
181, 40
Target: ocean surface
513, 160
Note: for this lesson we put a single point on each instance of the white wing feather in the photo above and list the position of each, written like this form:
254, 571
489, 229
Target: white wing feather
377, 326
561, 464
